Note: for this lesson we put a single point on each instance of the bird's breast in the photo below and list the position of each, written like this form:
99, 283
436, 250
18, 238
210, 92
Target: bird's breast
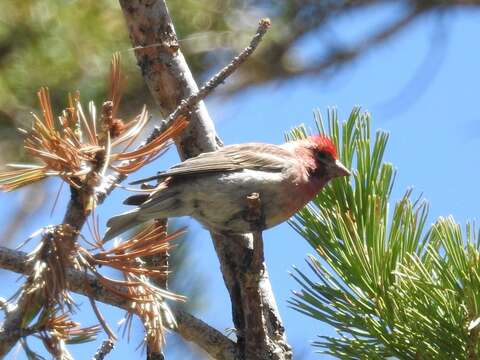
219, 201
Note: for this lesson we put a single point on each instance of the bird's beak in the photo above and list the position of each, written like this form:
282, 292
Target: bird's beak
340, 170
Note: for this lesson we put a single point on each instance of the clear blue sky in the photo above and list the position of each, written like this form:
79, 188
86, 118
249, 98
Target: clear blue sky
434, 144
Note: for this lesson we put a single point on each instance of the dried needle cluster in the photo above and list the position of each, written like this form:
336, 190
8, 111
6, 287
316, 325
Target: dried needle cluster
80, 147
147, 300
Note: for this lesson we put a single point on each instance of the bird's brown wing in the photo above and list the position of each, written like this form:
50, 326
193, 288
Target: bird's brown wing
254, 156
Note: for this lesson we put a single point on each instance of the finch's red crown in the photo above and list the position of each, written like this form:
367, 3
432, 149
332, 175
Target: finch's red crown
325, 144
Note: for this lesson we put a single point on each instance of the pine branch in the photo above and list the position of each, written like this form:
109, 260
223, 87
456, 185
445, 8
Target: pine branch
390, 284
11, 329
170, 81
189, 327
201, 138
76, 214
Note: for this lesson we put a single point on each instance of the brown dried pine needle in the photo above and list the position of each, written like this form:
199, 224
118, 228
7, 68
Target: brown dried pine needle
147, 300
57, 329
125, 257
79, 143
50, 259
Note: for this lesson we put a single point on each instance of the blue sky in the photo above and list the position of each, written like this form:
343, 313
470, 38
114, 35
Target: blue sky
434, 141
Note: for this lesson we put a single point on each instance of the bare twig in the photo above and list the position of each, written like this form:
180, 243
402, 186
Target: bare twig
104, 349
220, 77
101, 320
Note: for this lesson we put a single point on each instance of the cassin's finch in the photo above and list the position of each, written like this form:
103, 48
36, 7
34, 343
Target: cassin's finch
213, 187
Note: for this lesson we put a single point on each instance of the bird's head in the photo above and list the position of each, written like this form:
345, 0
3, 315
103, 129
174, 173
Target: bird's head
326, 158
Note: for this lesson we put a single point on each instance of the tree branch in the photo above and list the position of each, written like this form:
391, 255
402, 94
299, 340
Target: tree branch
220, 77
189, 327
255, 322
199, 137
76, 215
170, 81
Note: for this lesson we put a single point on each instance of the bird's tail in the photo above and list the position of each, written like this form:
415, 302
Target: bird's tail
121, 223
160, 204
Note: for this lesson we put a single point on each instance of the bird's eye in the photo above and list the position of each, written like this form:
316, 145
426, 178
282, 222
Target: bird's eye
322, 156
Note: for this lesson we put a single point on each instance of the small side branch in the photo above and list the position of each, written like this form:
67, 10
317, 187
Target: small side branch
192, 100
220, 77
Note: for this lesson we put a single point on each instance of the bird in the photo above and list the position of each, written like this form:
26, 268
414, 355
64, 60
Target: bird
213, 187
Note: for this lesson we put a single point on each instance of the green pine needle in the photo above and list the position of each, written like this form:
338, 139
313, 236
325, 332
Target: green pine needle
391, 286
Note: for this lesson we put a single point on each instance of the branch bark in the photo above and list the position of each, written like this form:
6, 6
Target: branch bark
169, 79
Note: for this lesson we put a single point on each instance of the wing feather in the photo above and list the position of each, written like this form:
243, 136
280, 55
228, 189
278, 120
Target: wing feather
253, 156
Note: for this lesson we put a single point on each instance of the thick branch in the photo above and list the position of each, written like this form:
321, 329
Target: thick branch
166, 72
189, 327
255, 322
170, 81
